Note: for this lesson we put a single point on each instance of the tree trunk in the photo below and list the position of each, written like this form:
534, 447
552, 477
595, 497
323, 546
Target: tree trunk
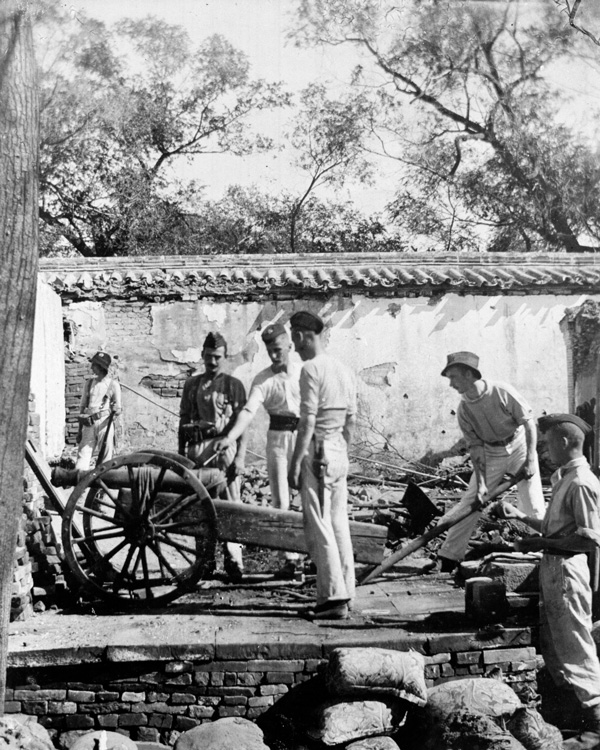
18, 277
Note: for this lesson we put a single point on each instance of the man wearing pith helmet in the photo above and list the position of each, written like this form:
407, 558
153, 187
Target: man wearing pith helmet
499, 428
320, 464
100, 403
569, 530
277, 388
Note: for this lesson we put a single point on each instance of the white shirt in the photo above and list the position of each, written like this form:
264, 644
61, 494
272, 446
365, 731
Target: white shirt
278, 392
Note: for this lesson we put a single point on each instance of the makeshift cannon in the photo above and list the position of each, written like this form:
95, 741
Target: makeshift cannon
141, 529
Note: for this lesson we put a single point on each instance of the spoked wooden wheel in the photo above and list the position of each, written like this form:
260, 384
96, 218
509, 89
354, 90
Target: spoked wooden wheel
140, 530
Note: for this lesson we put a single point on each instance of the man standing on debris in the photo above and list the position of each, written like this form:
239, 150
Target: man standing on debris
100, 404
320, 464
569, 529
500, 431
277, 388
210, 405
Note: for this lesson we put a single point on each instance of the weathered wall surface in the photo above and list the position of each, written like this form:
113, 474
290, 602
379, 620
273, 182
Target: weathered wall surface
48, 370
396, 346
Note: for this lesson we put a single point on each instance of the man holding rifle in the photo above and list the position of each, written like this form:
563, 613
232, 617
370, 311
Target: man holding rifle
319, 465
500, 432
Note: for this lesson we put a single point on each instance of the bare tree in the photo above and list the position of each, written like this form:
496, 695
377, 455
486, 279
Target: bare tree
18, 276
572, 9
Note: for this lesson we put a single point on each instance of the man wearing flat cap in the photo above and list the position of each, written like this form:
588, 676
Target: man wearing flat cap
320, 464
277, 388
569, 529
100, 403
498, 426
210, 405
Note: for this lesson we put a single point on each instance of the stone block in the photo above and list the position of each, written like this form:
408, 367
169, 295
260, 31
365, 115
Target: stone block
250, 678
79, 721
12, 707
130, 697
201, 678
161, 721
185, 723
202, 712
108, 720
273, 689
261, 700
225, 711
275, 665
235, 700
281, 678
148, 734
36, 708
132, 720
516, 576
178, 699
467, 657
62, 707
496, 656
81, 696
178, 667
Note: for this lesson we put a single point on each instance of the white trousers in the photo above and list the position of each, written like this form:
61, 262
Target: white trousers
280, 449
327, 529
91, 440
566, 641
499, 460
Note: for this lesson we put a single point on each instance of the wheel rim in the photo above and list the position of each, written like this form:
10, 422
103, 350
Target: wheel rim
140, 545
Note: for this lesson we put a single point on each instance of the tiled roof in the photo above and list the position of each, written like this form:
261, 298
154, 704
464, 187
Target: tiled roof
192, 277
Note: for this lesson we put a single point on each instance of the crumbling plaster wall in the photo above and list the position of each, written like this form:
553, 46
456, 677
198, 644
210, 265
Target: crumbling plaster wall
48, 370
396, 346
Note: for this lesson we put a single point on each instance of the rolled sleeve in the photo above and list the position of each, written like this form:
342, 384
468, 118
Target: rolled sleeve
585, 505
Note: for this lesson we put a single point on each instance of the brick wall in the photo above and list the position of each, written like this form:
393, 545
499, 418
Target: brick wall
157, 700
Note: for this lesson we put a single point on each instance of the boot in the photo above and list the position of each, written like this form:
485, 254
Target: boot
589, 739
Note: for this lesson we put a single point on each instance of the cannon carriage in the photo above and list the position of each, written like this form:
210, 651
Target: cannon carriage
141, 529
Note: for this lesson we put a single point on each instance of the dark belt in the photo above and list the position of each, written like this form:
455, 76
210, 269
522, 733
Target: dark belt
502, 443
283, 423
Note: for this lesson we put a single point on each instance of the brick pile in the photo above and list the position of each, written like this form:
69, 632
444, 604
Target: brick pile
45, 551
129, 690
77, 369
151, 702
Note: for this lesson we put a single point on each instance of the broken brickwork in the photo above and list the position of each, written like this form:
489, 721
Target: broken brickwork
151, 693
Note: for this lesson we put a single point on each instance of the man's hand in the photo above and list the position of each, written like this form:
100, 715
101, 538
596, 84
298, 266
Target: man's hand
529, 468
504, 509
223, 444
482, 491
531, 544
294, 476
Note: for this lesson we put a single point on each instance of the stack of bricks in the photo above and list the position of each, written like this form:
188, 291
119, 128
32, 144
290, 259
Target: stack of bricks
77, 369
151, 702
518, 667
33, 501
21, 605
49, 584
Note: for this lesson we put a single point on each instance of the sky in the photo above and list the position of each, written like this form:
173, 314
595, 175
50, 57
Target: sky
260, 29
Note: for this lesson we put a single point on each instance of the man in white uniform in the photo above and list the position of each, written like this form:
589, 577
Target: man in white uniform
100, 403
320, 465
277, 388
570, 528
500, 432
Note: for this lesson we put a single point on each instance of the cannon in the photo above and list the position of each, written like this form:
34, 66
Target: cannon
141, 529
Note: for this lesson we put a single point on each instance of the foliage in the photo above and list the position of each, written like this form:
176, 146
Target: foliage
248, 221
120, 106
328, 137
486, 158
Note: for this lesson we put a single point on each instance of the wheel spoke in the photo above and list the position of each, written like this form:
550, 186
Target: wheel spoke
181, 548
111, 492
135, 490
123, 572
96, 514
156, 488
149, 592
97, 536
155, 546
181, 503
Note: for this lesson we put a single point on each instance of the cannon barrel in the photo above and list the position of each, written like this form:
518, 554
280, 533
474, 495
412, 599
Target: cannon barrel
212, 479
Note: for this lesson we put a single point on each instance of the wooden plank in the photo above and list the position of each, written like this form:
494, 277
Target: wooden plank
42, 471
279, 529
